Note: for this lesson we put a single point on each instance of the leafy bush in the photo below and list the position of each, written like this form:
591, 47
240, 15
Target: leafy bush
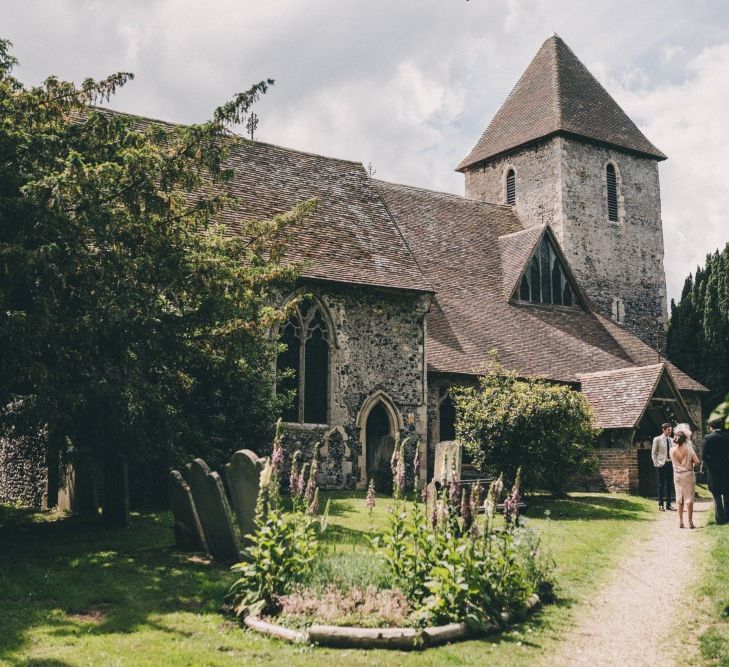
282, 549
507, 423
453, 567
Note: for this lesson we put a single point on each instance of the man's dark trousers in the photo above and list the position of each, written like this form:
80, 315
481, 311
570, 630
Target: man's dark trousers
665, 483
721, 506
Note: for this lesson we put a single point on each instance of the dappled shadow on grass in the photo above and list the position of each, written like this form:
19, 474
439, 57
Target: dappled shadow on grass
614, 508
73, 578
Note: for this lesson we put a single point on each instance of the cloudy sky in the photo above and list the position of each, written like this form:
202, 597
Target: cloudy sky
409, 85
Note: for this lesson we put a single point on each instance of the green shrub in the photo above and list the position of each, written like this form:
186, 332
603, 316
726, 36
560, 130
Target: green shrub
507, 423
453, 567
282, 548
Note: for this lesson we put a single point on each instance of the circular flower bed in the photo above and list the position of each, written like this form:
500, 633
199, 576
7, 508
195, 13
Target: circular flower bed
453, 567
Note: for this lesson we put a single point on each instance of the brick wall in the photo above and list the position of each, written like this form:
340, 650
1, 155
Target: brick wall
617, 472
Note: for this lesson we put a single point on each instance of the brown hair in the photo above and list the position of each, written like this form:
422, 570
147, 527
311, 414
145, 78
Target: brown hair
666, 425
680, 438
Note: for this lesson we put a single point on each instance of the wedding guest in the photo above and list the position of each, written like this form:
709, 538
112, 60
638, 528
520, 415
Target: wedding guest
716, 459
660, 453
684, 459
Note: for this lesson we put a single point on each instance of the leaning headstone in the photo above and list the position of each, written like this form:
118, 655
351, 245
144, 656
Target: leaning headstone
243, 474
447, 460
213, 510
188, 531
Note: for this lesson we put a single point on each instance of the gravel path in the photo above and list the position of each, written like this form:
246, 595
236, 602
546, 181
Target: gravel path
633, 620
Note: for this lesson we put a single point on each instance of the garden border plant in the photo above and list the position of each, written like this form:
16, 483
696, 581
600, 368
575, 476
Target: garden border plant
463, 575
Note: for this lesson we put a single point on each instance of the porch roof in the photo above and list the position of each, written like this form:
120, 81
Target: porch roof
620, 398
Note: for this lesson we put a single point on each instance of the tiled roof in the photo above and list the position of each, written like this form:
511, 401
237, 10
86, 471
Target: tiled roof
466, 248
642, 354
515, 250
351, 237
619, 398
557, 94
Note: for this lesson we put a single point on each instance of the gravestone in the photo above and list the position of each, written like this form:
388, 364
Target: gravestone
188, 531
447, 460
213, 510
243, 474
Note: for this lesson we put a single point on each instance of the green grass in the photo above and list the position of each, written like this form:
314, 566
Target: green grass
73, 593
713, 597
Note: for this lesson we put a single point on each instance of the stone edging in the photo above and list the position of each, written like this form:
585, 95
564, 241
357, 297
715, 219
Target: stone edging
389, 638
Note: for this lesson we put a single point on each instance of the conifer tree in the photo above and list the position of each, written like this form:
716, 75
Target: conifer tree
698, 333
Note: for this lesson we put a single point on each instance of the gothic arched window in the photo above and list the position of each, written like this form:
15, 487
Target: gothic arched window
511, 187
303, 365
612, 193
545, 280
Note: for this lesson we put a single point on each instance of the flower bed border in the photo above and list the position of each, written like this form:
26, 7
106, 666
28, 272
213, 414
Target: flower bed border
341, 636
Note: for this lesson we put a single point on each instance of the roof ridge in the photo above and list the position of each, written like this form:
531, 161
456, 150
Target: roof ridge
445, 194
559, 111
233, 135
626, 369
540, 227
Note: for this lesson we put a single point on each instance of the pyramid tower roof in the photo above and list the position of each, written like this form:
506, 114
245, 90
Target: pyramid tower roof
558, 95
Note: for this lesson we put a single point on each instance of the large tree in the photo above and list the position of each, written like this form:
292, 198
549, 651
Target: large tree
131, 326
698, 333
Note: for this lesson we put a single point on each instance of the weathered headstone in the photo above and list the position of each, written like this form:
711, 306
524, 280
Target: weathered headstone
188, 531
213, 510
243, 474
447, 460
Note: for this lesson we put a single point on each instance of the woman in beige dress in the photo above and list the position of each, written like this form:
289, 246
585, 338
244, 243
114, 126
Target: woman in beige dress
684, 459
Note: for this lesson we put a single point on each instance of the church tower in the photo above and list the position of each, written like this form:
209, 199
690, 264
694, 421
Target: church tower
561, 151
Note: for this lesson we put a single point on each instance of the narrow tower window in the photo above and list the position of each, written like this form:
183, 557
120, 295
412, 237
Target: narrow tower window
612, 193
510, 187
618, 310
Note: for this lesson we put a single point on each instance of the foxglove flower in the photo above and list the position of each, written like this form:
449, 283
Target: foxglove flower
370, 502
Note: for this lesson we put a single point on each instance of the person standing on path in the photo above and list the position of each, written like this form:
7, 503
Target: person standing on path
716, 457
661, 455
684, 459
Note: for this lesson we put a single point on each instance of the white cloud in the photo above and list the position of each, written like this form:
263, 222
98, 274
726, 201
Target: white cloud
408, 85
689, 122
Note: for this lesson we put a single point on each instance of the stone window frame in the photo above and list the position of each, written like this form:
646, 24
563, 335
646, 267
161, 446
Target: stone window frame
317, 305
566, 278
504, 188
618, 310
619, 193
397, 424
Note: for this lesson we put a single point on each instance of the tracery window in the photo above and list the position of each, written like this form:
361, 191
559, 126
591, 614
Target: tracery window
303, 365
545, 280
511, 187
612, 193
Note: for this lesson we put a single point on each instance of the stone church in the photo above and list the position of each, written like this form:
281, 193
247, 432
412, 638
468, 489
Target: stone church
553, 258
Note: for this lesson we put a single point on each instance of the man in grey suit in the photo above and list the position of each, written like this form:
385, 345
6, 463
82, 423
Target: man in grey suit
661, 455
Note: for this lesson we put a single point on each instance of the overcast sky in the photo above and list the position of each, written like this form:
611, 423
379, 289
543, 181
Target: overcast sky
409, 85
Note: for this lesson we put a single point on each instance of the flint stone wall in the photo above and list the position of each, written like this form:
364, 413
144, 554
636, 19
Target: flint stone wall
379, 346
561, 181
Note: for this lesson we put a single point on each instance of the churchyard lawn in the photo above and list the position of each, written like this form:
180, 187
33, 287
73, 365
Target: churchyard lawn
712, 596
73, 593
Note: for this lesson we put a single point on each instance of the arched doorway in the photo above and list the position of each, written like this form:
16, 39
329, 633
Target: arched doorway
380, 441
377, 422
